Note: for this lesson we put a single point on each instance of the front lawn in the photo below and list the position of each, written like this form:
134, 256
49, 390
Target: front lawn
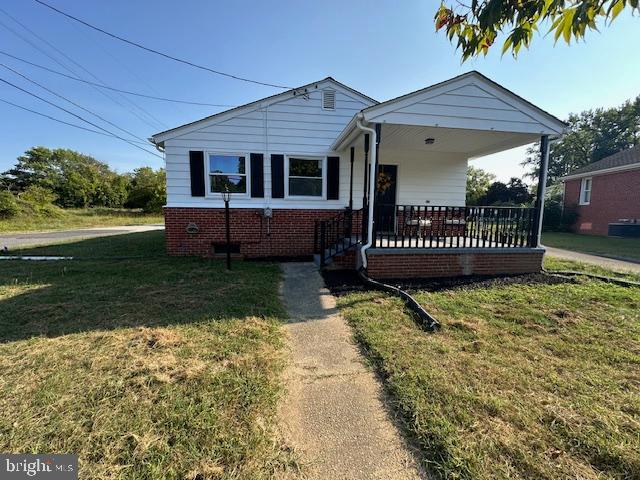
523, 381
148, 368
69, 218
597, 245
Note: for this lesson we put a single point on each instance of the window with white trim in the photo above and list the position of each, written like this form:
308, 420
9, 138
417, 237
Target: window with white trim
227, 171
585, 191
305, 177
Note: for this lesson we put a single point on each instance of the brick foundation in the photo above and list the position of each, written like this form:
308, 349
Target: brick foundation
289, 233
435, 263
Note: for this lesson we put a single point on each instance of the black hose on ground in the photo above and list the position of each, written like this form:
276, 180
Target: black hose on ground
573, 273
427, 320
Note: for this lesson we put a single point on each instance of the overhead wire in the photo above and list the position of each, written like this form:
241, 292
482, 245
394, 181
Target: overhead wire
75, 104
155, 121
157, 52
127, 92
79, 117
75, 125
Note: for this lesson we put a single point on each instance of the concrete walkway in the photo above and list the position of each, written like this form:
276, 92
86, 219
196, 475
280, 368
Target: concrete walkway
333, 414
20, 240
610, 263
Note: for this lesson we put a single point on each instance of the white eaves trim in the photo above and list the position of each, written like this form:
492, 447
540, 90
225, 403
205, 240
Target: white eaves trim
542, 123
604, 171
160, 137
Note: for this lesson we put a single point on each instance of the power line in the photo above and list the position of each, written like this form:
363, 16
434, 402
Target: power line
71, 102
151, 50
79, 117
60, 52
62, 97
77, 79
60, 121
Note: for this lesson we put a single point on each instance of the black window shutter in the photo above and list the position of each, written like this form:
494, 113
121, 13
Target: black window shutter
196, 170
257, 175
333, 178
277, 176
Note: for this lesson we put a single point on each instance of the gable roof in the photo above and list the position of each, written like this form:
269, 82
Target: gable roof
623, 160
473, 86
159, 137
472, 74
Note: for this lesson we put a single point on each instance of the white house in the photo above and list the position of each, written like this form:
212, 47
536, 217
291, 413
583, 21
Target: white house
298, 166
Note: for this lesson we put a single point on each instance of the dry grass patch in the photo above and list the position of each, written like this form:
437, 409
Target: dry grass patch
65, 218
523, 381
148, 369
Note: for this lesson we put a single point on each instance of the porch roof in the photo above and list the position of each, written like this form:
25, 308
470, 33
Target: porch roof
471, 107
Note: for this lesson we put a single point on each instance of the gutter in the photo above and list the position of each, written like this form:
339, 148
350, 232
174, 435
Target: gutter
160, 148
372, 185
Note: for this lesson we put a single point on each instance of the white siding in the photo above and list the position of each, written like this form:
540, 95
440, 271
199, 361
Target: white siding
296, 125
469, 102
423, 178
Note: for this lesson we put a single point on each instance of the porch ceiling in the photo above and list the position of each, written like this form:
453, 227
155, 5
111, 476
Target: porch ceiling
472, 143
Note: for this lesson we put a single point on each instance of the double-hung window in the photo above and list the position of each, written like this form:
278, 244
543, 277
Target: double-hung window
585, 191
305, 177
227, 171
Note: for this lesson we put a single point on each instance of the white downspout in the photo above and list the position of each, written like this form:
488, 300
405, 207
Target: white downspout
372, 185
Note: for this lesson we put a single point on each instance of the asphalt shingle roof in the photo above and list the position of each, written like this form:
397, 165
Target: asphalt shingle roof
620, 159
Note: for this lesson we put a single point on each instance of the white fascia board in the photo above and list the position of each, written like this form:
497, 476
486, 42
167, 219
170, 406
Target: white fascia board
553, 126
256, 105
346, 136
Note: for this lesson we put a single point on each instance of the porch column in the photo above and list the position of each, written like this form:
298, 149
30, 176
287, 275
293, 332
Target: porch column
365, 221
378, 128
351, 179
366, 169
542, 186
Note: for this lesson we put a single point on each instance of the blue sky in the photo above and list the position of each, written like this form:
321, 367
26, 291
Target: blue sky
375, 47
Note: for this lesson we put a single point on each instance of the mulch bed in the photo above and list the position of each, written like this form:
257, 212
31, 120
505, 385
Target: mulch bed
342, 282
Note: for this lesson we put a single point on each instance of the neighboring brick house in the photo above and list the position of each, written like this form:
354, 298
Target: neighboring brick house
605, 191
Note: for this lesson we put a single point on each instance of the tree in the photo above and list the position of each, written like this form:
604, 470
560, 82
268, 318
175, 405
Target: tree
478, 182
476, 25
76, 179
147, 190
515, 192
591, 136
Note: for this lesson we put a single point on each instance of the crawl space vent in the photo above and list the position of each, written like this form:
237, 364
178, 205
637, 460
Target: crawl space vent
329, 99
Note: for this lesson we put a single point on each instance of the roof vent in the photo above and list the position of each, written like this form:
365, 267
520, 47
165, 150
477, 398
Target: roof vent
328, 99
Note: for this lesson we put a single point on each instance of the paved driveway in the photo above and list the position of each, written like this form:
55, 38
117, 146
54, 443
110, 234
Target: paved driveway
18, 240
604, 262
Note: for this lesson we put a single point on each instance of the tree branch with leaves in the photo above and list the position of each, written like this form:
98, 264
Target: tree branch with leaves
476, 26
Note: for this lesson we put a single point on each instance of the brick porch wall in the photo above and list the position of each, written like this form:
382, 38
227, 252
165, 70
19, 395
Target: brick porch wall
613, 196
290, 234
436, 263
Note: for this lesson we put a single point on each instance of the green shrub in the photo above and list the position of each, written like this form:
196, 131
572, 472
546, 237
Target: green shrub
8, 205
38, 196
558, 218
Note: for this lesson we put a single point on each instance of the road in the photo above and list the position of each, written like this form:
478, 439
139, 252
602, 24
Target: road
13, 241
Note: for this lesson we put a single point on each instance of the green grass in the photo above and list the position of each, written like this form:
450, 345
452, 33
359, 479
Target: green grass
558, 264
522, 381
61, 219
148, 368
597, 245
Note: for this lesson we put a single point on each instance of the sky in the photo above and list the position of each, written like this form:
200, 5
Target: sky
378, 48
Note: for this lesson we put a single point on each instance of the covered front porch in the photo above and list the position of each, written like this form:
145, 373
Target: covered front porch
408, 167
